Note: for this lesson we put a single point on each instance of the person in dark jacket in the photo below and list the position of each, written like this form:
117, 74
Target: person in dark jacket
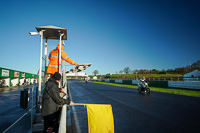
51, 101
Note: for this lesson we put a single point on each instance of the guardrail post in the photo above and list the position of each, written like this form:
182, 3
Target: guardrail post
28, 89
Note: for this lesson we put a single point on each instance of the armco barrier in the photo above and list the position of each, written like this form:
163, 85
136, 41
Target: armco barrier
165, 84
118, 81
112, 81
151, 83
135, 82
184, 84
129, 82
106, 80
158, 83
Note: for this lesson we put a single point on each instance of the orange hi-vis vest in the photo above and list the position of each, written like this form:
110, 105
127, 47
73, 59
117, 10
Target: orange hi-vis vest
54, 59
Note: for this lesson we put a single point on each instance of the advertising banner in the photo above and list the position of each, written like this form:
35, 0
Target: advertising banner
23, 75
16, 74
5, 73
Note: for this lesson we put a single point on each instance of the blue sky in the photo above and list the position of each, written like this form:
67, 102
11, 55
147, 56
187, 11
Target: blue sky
110, 34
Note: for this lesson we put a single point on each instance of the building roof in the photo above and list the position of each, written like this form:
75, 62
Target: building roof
53, 32
195, 73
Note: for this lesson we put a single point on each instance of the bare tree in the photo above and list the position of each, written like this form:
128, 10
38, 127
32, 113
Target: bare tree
96, 72
127, 70
196, 65
121, 71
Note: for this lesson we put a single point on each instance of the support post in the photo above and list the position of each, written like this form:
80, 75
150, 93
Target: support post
40, 72
28, 95
45, 53
64, 78
61, 34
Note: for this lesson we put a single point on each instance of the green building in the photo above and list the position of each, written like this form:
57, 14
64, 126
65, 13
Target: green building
14, 77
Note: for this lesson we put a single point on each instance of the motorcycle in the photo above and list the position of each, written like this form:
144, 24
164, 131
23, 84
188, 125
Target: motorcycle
143, 87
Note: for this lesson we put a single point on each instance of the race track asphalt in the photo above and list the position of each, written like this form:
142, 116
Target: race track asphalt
10, 111
134, 112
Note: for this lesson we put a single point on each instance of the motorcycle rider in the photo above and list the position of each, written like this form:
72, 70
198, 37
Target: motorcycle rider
142, 81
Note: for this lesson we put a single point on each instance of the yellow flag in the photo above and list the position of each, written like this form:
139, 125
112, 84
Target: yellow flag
100, 118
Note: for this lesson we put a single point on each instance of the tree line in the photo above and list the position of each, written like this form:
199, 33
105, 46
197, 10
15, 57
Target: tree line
181, 70
188, 68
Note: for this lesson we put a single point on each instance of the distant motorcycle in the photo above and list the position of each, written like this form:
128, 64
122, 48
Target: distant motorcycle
143, 87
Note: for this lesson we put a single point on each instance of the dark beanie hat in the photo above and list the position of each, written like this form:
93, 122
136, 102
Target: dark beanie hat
56, 76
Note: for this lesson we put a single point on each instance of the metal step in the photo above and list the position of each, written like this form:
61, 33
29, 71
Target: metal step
38, 128
38, 125
38, 118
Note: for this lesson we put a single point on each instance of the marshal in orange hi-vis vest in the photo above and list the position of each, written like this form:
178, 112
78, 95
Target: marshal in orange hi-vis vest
54, 59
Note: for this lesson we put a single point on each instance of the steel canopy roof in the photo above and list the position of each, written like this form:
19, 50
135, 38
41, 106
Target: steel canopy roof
52, 32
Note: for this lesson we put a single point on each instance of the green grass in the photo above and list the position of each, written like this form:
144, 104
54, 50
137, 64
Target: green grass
181, 91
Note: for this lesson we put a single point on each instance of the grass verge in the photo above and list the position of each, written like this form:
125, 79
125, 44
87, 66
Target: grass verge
181, 91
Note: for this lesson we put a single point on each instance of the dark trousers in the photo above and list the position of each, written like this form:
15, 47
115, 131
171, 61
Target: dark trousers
51, 121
